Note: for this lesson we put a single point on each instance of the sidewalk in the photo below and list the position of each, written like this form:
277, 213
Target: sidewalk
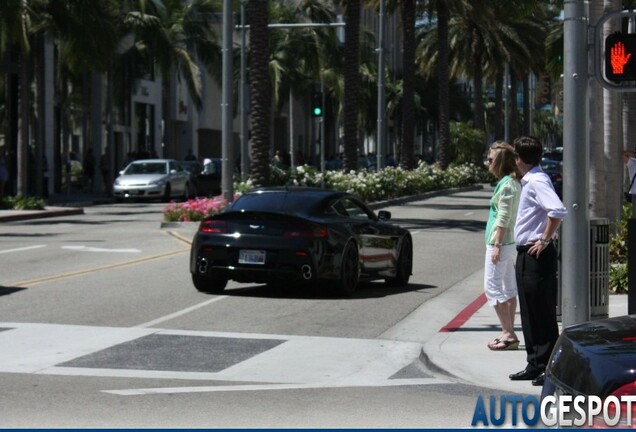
459, 347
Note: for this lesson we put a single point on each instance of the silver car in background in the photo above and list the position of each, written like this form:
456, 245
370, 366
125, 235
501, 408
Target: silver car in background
152, 179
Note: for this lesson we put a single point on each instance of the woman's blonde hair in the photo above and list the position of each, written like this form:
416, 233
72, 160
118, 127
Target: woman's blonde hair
503, 161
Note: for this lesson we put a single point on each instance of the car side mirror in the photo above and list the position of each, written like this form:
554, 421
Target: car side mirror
384, 215
121, 172
173, 171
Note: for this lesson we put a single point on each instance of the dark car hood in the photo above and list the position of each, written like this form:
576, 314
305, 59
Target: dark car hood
595, 358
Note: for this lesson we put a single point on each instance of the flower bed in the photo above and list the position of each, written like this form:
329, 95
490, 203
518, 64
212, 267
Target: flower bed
194, 210
370, 186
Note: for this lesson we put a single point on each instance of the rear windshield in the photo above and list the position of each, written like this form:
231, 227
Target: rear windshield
276, 202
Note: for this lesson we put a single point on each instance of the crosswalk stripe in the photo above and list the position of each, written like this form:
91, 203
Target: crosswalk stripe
235, 388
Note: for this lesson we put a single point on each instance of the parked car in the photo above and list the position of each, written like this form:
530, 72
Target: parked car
152, 179
554, 169
299, 235
595, 358
194, 168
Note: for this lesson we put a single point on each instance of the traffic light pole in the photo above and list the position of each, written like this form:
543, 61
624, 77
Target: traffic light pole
227, 142
575, 263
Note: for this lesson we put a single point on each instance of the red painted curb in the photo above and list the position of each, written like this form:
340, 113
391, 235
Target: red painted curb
461, 318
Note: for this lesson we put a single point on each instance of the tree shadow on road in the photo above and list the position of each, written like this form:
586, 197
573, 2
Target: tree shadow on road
366, 290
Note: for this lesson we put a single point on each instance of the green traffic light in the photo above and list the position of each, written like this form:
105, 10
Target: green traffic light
317, 111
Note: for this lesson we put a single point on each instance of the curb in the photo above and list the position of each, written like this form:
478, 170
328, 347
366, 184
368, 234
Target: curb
40, 214
425, 195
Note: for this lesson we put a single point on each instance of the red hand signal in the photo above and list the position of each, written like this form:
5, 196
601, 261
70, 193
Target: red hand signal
618, 58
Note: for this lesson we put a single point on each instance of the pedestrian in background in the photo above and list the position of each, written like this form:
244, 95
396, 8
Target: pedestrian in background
89, 169
500, 285
4, 175
538, 218
104, 168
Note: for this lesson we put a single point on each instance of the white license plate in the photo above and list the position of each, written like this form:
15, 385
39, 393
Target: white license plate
247, 256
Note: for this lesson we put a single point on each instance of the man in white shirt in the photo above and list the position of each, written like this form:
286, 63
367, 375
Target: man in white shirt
539, 216
629, 157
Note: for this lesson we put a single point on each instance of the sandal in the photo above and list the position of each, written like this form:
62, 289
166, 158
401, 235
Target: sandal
495, 341
504, 345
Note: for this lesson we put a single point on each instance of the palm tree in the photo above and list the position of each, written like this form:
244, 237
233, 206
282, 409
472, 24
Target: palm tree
260, 86
443, 75
15, 43
484, 35
301, 57
407, 159
174, 37
351, 83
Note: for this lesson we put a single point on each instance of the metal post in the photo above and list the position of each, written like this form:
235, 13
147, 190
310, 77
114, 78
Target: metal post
322, 132
227, 185
576, 227
381, 147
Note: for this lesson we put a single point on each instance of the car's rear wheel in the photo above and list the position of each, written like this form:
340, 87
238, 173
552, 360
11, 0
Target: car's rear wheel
209, 284
349, 269
404, 265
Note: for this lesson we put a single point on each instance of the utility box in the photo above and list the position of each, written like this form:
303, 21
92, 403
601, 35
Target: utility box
599, 270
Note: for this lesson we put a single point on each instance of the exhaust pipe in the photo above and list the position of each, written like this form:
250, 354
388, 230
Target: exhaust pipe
203, 265
306, 270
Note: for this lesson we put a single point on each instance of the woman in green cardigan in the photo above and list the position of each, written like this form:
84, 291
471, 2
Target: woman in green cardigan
500, 285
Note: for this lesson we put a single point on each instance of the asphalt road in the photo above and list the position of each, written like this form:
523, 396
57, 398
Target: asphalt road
100, 326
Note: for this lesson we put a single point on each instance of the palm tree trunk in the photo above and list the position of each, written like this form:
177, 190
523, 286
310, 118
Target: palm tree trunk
23, 128
408, 60
351, 82
443, 83
527, 106
498, 117
260, 87
478, 84
513, 115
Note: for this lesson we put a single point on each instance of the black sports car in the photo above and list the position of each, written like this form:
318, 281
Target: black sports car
596, 358
308, 235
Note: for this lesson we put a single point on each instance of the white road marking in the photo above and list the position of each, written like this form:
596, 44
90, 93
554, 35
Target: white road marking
469, 214
22, 249
258, 387
179, 313
298, 362
95, 249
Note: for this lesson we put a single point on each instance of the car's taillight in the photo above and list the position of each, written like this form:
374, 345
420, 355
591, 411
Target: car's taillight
626, 390
213, 227
306, 231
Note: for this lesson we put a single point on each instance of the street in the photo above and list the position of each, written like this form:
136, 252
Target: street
101, 327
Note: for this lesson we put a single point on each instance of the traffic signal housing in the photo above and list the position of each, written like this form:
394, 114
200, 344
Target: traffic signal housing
316, 104
620, 57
